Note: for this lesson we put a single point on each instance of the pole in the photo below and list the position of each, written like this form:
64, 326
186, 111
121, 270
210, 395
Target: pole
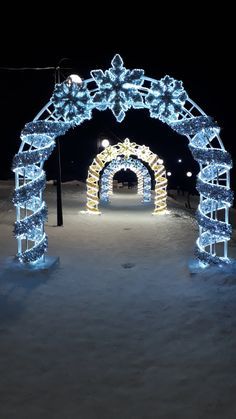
188, 200
58, 157
59, 199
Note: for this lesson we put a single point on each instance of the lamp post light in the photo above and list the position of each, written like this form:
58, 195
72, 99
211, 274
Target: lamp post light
105, 143
74, 78
102, 143
179, 160
168, 174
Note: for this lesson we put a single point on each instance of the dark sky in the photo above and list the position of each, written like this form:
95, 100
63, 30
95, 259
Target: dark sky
202, 60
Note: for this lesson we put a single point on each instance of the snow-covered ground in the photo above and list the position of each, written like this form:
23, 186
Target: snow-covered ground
120, 329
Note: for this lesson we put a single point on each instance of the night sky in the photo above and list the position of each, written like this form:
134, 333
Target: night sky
202, 63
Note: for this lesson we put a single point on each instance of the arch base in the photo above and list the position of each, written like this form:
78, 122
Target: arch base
91, 212
46, 263
160, 212
228, 266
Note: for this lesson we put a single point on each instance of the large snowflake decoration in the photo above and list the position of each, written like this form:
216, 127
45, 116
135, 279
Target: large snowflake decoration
166, 99
72, 101
115, 91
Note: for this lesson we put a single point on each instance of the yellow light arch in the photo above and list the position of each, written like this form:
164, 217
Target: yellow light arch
126, 149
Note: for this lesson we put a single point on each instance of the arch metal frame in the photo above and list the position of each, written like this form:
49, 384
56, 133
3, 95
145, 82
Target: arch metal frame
120, 89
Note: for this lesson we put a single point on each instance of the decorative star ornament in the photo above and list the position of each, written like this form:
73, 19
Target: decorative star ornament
109, 153
144, 152
166, 99
127, 148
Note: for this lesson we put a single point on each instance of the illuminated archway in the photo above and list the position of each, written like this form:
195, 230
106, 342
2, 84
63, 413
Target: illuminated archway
107, 178
135, 165
120, 89
126, 149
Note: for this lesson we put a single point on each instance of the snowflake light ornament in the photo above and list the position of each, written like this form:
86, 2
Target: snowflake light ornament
127, 148
144, 152
115, 92
72, 102
166, 99
109, 153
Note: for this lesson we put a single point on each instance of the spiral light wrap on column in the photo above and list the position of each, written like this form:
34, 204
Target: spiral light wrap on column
92, 185
160, 184
214, 162
38, 137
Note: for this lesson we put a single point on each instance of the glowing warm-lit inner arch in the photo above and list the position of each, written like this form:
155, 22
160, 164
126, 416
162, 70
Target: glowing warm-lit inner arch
126, 149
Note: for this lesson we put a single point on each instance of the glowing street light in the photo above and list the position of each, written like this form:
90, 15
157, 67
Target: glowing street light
160, 161
189, 174
168, 173
179, 160
74, 78
105, 143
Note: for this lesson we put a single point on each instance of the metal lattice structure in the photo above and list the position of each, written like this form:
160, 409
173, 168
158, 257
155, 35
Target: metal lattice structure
126, 149
144, 183
120, 89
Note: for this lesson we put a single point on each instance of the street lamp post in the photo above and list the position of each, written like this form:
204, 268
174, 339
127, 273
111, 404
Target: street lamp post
73, 78
102, 143
58, 158
59, 198
189, 175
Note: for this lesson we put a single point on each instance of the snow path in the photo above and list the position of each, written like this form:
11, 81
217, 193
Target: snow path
120, 330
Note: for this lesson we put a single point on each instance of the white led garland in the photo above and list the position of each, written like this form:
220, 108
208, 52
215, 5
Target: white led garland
135, 165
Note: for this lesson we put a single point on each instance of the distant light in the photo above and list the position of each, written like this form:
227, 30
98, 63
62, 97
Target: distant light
168, 173
189, 174
160, 161
74, 78
105, 143
179, 160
